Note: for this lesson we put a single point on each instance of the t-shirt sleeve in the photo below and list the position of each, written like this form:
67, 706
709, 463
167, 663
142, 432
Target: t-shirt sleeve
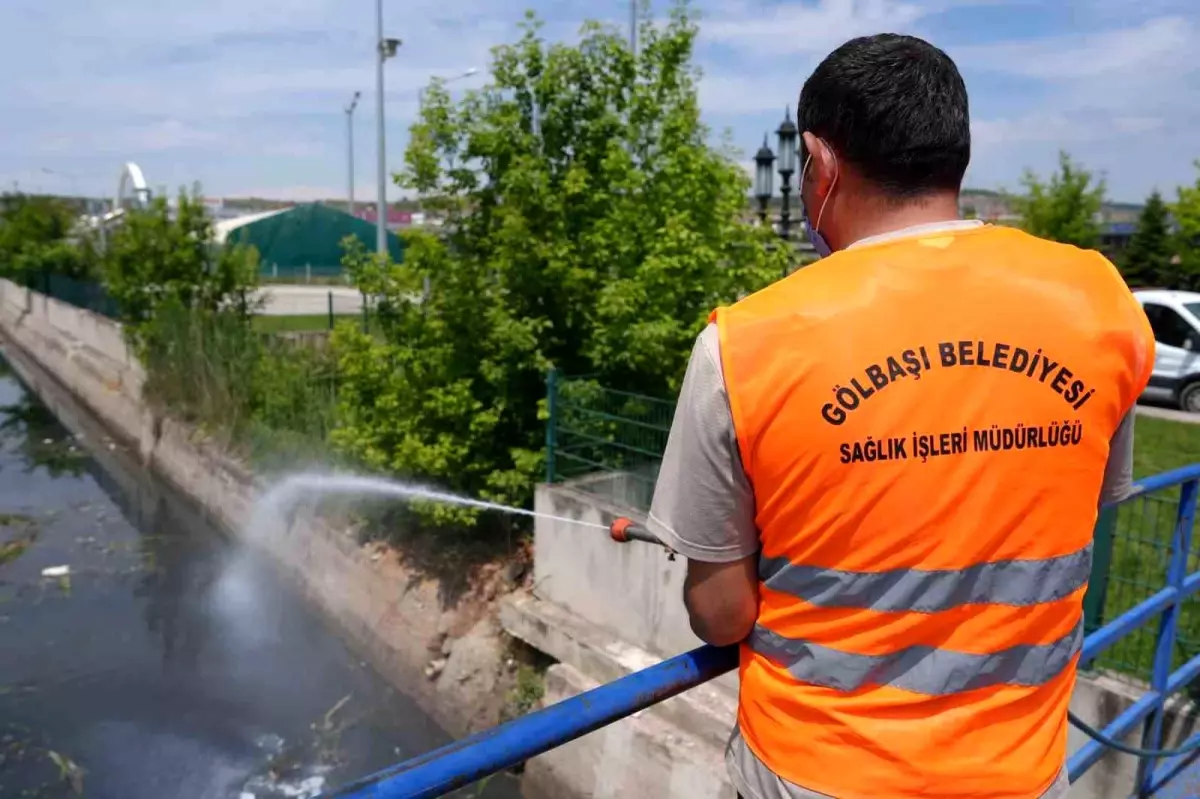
703, 504
1118, 472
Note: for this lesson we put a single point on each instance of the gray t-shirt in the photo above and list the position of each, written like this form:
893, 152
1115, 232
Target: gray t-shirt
703, 505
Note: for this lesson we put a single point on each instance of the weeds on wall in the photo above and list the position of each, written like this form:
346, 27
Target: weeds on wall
261, 395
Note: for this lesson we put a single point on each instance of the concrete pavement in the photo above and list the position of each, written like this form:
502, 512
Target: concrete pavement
1174, 415
288, 300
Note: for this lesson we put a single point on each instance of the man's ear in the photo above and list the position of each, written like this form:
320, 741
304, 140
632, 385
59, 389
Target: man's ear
822, 168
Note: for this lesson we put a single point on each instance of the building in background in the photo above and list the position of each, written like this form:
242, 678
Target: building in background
302, 242
396, 219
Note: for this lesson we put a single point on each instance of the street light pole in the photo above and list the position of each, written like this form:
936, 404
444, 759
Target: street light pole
350, 152
385, 49
443, 81
788, 135
381, 168
764, 163
633, 27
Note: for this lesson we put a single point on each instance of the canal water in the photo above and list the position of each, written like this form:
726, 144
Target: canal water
163, 661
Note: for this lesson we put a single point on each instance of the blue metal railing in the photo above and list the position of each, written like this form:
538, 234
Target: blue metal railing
443, 770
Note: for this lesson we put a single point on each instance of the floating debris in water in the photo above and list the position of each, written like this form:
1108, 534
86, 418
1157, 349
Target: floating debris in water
68, 771
5, 690
271, 743
56, 571
17, 520
262, 788
23, 531
11, 550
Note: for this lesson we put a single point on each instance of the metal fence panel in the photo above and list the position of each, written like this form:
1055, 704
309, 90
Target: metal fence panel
87, 294
609, 443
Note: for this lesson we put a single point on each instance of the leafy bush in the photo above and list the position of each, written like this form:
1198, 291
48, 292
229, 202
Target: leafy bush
165, 258
37, 237
589, 225
263, 395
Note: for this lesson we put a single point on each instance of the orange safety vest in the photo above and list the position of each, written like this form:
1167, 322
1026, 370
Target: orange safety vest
926, 422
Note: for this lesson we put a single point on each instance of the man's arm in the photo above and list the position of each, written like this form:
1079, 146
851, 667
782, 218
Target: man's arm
722, 599
703, 504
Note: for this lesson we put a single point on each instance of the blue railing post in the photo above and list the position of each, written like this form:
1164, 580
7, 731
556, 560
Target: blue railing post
551, 421
1168, 626
463, 762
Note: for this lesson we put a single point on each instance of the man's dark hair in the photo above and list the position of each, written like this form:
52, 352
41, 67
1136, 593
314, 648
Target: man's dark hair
896, 108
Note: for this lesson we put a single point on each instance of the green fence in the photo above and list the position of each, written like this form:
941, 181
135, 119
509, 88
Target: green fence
607, 443
86, 294
1131, 554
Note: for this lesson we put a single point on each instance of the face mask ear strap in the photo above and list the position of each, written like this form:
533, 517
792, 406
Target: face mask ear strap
837, 174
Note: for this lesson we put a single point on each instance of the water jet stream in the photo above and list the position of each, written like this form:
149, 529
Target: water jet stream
288, 490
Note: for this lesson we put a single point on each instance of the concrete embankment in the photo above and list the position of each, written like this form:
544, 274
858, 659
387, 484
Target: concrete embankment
598, 609
394, 616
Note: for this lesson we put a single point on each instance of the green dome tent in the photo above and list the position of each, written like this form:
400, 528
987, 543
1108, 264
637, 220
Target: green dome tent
304, 239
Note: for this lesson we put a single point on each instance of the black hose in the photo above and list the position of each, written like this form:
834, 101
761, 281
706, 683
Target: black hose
1104, 740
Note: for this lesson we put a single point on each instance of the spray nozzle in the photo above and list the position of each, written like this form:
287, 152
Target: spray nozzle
623, 530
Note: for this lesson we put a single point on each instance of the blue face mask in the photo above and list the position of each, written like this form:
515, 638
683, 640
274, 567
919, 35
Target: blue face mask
818, 241
819, 244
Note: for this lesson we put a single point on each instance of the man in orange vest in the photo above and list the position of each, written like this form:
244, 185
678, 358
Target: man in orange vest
884, 470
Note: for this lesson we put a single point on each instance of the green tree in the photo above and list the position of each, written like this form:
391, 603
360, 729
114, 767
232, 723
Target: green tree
1065, 208
1186, 210
161, 256
1147, 261
589, 225
37, 237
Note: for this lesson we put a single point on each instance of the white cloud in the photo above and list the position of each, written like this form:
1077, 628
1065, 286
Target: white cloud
790, 28
729, 93
1123, 100
1164, 42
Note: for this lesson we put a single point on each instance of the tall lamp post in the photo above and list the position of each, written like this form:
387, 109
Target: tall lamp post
442, 81
764, 178
384, 49
350, 152
787, 137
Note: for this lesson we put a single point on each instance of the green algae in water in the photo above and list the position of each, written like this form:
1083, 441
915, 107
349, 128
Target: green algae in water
17, 532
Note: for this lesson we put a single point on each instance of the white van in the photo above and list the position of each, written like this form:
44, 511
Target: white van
1175, 319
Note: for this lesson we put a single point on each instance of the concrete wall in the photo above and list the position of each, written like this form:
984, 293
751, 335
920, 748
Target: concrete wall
632, 590
390, 614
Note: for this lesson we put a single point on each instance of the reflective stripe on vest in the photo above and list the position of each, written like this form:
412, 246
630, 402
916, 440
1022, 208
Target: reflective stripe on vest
1007, 582
919, 669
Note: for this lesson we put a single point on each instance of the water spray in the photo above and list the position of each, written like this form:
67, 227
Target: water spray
296, 486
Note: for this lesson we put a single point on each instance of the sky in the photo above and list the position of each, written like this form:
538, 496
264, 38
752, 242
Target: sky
247, 97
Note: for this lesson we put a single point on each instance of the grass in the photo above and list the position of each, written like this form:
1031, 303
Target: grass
297, 324
1161, 445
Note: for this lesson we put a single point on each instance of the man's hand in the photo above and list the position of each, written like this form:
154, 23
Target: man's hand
722, 599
